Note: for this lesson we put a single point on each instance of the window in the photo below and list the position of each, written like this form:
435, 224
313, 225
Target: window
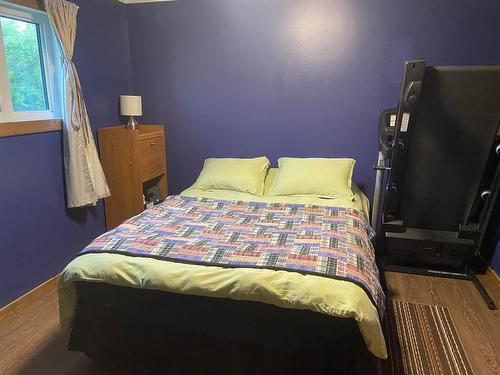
29, 65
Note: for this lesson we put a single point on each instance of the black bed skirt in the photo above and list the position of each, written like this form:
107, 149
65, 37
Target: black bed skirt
149, 331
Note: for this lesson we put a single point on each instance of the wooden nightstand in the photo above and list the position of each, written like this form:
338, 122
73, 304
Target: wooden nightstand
133, 160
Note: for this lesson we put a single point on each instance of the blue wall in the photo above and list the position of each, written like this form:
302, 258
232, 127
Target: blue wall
38, 235
291, 77
495, 262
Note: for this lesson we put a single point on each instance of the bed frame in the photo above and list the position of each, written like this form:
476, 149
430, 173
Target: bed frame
149, 330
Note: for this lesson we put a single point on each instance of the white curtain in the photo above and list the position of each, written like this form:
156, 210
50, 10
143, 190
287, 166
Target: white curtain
85, 180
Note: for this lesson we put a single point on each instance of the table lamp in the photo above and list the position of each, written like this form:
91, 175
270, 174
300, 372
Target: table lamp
131, 106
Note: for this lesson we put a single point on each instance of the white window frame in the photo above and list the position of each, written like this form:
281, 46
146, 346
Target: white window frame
51, 56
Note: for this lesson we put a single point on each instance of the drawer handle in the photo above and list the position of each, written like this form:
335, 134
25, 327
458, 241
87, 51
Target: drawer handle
152, 143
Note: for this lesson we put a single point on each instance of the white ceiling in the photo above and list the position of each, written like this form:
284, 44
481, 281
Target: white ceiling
141, 1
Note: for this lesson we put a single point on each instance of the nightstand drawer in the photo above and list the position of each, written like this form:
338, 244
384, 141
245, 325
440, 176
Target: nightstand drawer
152, 155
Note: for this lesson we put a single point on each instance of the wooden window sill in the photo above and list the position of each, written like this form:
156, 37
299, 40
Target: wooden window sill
10, 129
34, 4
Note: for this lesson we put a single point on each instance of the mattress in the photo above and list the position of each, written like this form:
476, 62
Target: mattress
291, 290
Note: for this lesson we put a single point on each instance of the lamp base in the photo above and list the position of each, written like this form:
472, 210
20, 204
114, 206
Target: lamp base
132, 123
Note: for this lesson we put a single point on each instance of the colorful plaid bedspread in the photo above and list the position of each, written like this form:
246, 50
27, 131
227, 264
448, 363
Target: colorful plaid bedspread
327, 241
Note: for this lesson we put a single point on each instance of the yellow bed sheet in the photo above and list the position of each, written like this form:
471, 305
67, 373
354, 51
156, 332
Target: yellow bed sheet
285, 289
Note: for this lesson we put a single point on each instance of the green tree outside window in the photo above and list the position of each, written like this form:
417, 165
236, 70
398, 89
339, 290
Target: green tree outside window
24, 65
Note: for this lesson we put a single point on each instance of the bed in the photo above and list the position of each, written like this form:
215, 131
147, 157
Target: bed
104, 297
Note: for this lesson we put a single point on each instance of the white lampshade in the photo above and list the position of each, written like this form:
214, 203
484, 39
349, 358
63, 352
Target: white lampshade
130, 105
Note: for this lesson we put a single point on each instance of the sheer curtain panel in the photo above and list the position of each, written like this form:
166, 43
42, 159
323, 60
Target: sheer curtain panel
85, 180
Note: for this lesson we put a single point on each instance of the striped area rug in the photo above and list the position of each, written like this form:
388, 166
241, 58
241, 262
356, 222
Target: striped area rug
422, 340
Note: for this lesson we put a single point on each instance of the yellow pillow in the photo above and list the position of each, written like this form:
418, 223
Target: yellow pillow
322, 177
245, 175
268, 184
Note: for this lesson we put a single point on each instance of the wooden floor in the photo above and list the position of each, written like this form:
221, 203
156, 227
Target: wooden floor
478, 327
32, 343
